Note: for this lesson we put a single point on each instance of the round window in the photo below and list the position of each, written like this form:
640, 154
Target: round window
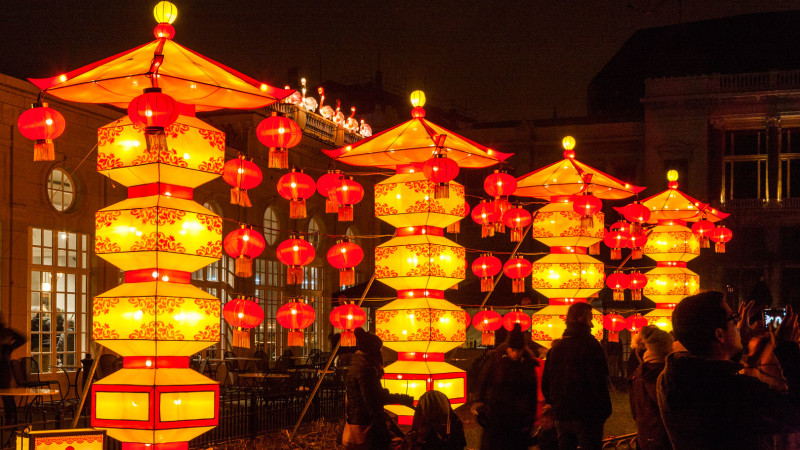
60, 189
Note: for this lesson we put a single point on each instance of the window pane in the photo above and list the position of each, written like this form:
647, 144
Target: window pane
271, 226
745, 180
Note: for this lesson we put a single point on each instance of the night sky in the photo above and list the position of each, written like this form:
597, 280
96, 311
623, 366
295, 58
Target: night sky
499, 59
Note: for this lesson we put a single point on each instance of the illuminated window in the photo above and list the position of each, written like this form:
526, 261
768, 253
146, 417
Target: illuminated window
60, 189
271, 226
270, 278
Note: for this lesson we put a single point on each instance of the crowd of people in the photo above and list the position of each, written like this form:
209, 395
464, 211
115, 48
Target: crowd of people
697, 387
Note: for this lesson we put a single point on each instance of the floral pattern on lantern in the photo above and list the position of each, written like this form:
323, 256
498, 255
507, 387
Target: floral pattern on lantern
295, 253
407, 198
671, 241
558, 225
278, 133
42, 124
345, 255
242, 175
244, 244
486, 267
487, 321
670, 284
517, 269
295, 316
567, 275
549, 323
242, 314
347, 318
296, 187
419, 323
410, 261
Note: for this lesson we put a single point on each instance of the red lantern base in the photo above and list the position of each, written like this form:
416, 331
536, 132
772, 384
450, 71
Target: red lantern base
616, 253
294, 275
487, 338
719, 247
636, 294
240, 197
347, 277
442, 190
345, 213
487, 230
331, 206
348, 339
244, 267
44, 150
499, 227
278, 158
486, 284
155, 139
297, 209
705, 242
515, 235
636, 253
241, 338
518, 285
295, 339
613, 336
454, 227
169, 446
619, 295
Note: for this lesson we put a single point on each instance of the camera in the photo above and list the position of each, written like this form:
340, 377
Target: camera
774, 316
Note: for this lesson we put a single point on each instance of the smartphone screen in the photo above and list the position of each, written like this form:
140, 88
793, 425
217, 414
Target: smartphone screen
774, 316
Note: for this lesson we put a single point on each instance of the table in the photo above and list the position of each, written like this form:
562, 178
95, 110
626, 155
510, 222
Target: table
29, 394
71, 385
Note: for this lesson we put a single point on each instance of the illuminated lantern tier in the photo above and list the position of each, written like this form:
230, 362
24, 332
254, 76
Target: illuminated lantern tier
408, 198
242, 175
347, 318
195, 154
487, 322
42, 124
671, 282
296, 316
516, 317
661, 316
420, 257
549, 323
558, 225
296, 187
567, 273
417, 322
671, 240
242, 314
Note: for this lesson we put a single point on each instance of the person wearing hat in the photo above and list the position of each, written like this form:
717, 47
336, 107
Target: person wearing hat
650, 432
365, 420
507, 395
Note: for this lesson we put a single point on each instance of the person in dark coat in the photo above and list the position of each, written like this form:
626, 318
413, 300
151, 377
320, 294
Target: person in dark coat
703, 399
365, 395
575, 383
507, 395
650, 432
10, 340
435, 426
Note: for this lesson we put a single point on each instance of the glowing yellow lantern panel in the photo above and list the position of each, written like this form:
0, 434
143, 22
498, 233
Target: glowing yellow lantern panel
195, 153
414, 323
158, 231
549, 323
418, 260
671, 282
568, 275
660, 317
557, 225
672, 243
411, 376
408, 198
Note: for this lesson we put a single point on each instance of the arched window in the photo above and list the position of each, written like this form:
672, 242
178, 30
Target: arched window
60, 189
314, 233
271, 226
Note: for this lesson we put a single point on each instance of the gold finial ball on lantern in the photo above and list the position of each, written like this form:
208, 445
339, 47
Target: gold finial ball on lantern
672, 175
417, 98
165, 12
568, 142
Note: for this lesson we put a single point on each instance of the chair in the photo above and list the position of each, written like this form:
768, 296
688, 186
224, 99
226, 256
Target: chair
284, 363
21, 378
204, 366
322, 360
313, 357
233, 365
262, 365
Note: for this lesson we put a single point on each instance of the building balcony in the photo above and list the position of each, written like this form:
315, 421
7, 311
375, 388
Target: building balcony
316, 126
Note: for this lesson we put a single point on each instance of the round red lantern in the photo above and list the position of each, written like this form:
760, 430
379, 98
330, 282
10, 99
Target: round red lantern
345, 255
636, 241
637, 214
587, 206
517, 269
154, 111
278, 133
347, 193
295, 253
617, 238
164, 30
295, 316
516, 316
516, 219
41, 124
485, 268
244, 244
242, 175
637, 282
720, 236
242, 314
487, 321
347, 318
703, 229
417, 112
486, 214
296, 187
500, 184
635, 322
441, 170
618, 282
326, 186
614, 323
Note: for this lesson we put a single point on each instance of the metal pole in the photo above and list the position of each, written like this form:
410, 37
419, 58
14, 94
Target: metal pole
86, 388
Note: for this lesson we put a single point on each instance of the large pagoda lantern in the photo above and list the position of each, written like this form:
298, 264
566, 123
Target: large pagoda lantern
420, 262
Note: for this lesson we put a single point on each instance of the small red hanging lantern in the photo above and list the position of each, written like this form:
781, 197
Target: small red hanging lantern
637, 214
720, 236
345, 255
279, 134
636, 241
635, 322
500, 205
614, 323
618, 282
638, 281
487, 321
441, 170
242, 175
242, 314
296, 187
587, 206
703, 229
347, 318
326, 186
244, 244
516, 316
295, 316
516, 219
456, 227
295, 253
154, 111
500, 184
486, 215
485, 268
41, 124
517, 269
348, 193
617, 238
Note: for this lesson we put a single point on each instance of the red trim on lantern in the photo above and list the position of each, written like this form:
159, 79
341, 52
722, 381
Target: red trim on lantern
168, 446
145, 275
565, 301
410, 168
170, 190
420, 230
420, 356
212, 422
671, 264
420, 293
156, 362
666, 305
672, 222
568, 250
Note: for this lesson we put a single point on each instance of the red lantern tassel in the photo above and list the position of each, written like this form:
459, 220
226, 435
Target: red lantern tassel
155, 139
331, 206
518, 285
295, 339
636, 294
347, 277
719, 247
636, 253
241, 338
294, 275
594, 249
616, 253
345, 213
635, 227
613, 336
297, 209
587, 222
705, 242
499, 227
486, 284
442, 190
619, 295
278, 158
244, 267
348, 339
240, 197
515, 235
454, 227
487, 230
487, 338
44, 150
